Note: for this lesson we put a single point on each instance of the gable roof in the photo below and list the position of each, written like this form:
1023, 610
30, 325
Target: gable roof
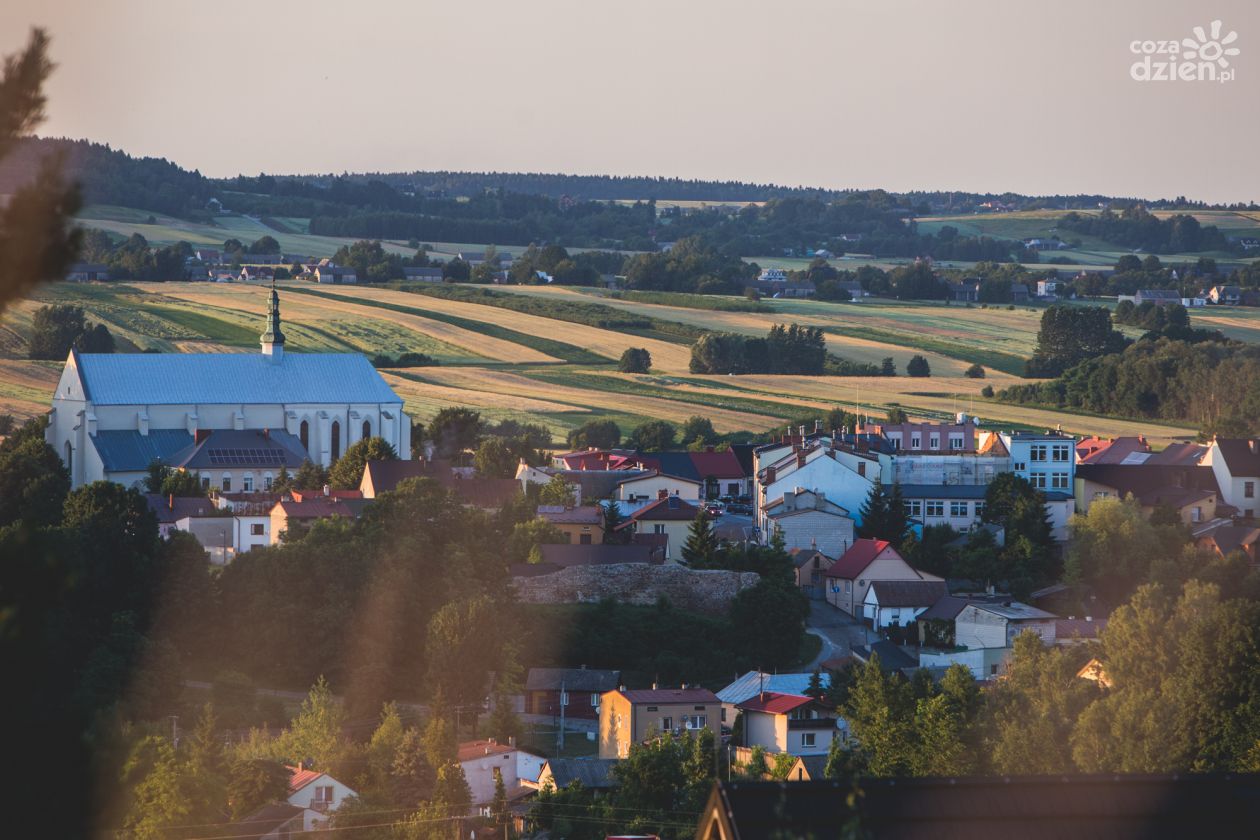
669, 695
860, 555
754, 682
126, 450
260, 448
1240, 457
472, 750
1148, 481
320, 508
671, 508
717, 465
1231, 538
226, 378
476, 491
585, 515
891, 657
593, 773
1012, 610
300, 777
654, 472
802, 556
774, 703
1110, 451
678, 464
574, 679
908, 593
169, 510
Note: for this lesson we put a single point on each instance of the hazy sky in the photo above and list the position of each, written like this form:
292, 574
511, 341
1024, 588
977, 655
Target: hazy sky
970, 94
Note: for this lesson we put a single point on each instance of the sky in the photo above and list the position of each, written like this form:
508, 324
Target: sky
974, 95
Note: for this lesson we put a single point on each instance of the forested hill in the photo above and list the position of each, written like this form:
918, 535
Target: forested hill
111, 176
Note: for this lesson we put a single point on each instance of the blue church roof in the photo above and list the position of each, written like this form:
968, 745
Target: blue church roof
248, 378
129, 451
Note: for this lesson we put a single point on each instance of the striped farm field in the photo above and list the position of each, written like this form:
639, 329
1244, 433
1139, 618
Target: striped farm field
531, 367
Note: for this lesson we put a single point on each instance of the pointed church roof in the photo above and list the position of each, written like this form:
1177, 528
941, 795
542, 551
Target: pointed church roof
273, 335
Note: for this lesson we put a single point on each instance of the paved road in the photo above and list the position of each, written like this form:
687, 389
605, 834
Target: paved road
839, 632
733, 527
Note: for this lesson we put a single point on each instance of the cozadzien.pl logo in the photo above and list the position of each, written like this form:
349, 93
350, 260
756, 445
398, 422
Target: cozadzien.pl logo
1202, 58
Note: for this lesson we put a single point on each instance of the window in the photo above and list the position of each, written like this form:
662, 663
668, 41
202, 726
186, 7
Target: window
667, 724
1059, 481
695, 721
584, 539
848, 587
595, 700
336, 440
1061, 451
205, 482
304, 435
957, 509
658, 528
267, 482
1249, 489
807, 739
1019, 466
934, 442
935, 508
916, 441
1196, 514
1038, 452
367, 429
256, 529
861, 468
993, 670
564, 698
979, 509
247, 483
955, 441
227, 484
324, 794
1037, 480
914, 507
69, 459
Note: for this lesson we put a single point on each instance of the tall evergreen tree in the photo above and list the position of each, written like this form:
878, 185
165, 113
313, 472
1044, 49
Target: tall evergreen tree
701, 546
874, 513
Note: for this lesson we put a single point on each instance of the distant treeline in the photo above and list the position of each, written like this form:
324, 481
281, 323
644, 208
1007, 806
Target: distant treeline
786, 349
1136, 228
1212, 384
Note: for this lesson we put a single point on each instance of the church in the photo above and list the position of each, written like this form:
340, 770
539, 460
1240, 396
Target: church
236, 419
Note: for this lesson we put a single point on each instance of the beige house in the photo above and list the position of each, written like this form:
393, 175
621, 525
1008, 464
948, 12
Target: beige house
789, 723
632, 717
864, 563
582, 525
669, 516
810, 565
654, 485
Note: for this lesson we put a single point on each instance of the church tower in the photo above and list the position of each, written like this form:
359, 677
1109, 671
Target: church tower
273, 339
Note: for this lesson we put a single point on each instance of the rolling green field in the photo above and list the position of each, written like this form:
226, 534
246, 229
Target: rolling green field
528, 365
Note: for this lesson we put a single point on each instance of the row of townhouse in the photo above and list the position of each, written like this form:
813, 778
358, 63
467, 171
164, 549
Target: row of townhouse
811, 488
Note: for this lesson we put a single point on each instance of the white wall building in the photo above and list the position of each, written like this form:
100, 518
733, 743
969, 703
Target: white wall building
234, 417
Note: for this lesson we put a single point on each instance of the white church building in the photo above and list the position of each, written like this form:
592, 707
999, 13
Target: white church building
234, 418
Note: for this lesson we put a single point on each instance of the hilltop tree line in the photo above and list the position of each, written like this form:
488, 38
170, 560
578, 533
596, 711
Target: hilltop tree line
786, 349
1174, 372
1139, 229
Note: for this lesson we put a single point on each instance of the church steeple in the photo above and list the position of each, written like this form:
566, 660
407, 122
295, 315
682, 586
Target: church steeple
273, 339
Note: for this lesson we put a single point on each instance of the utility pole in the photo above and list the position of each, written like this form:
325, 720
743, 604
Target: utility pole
175, 731
560, 734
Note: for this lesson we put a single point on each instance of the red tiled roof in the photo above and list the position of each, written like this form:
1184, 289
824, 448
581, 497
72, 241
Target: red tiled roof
317, 508
308, 495
300, 778
773, 703
670, 695
587, 515
671, 508
854, 561
717, 465
470, 750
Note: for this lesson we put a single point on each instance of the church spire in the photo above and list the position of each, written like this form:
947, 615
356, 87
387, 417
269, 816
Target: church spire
273, 339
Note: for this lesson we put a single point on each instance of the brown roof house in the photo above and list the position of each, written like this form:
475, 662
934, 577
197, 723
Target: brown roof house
897, 603
582, 525
670, 516
865, 562
582, 690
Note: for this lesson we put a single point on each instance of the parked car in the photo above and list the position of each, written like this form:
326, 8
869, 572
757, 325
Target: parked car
713, 510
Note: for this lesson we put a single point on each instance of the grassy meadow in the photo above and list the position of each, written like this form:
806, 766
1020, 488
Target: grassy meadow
531, 367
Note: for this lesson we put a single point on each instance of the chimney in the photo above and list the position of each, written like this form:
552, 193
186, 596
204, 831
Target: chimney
266, 434
771, 475
170, 501
662, 493
654, 686
800, 458
200, 435
327, 490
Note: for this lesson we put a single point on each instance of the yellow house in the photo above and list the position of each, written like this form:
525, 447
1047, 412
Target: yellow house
668, 515
632, 717
582, 525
